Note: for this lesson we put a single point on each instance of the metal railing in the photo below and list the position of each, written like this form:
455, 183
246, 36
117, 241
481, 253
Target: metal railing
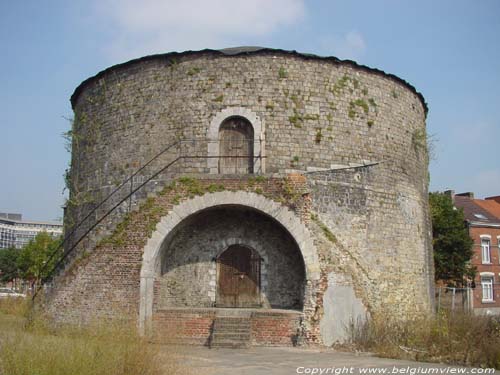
185, 150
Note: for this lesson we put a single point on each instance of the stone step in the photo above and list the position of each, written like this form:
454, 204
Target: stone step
231, 344
230, 326
232, 321
231, 332
221, 336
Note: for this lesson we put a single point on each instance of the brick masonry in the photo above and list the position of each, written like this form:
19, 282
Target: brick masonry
343, 156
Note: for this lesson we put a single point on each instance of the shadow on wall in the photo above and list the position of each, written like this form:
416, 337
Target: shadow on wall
192, 276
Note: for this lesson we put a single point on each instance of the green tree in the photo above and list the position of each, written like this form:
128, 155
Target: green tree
38, 257
8, 264
451, 241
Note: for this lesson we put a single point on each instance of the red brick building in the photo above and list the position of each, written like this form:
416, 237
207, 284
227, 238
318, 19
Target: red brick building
483, 221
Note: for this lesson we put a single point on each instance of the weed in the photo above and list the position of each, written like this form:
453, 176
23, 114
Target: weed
361, 103
282, 73
103, 348
318, 136
193, 71
453, 338
326, 231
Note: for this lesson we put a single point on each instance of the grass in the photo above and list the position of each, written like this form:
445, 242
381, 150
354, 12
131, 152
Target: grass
110, 348
454, 338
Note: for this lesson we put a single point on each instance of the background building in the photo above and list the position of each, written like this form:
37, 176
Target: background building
483, 221
15, 232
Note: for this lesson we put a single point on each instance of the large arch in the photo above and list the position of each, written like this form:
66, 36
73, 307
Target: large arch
151, 264
213, 137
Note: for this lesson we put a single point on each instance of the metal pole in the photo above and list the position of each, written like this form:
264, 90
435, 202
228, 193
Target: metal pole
130, 197
439, 299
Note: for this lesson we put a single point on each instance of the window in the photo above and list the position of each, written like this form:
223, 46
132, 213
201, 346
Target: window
485, 250
487, 286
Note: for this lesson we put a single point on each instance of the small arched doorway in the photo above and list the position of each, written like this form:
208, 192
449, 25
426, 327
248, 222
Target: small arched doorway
238, 284
236, 146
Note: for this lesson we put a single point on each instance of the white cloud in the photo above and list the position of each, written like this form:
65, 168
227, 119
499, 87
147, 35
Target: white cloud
348, 46
155, 26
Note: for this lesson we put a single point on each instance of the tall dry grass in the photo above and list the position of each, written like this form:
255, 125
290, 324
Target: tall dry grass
453, 338
110, 348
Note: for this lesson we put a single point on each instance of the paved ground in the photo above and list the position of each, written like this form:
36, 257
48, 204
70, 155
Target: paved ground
284, 361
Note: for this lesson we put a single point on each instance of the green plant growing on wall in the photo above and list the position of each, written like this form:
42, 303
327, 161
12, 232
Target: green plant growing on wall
362, 104
313, 117
219, 98
326, 231
282, 73
173, 63
423, 142
213, 188
340, 85
318, 136
193, 71
296, 120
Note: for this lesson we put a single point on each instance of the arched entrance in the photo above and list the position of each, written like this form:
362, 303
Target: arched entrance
184, 247
238, 277
236, 146
258, 144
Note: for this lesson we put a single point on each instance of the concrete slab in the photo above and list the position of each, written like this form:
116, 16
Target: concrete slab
286, 361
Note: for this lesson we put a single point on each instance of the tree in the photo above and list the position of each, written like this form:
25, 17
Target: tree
451, 241
8, 264
38, 257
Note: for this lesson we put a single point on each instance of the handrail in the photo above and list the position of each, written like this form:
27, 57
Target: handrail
74, 229
129, 195
60, 261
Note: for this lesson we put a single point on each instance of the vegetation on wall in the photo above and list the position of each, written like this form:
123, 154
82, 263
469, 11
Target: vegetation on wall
326, 231
282, 73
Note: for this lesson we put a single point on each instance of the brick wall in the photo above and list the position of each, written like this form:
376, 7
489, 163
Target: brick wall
493, 267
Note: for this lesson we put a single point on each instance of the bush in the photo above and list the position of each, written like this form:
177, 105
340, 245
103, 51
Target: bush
453, 338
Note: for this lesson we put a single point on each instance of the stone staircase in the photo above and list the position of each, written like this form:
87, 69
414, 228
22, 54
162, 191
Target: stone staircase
231, 332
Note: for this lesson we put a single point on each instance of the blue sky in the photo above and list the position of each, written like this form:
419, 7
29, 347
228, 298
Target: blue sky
447, 49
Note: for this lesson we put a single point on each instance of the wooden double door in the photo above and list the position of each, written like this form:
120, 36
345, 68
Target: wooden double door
238, 270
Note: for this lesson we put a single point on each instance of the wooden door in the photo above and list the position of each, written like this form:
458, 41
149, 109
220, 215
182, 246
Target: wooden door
236, 146
238, 278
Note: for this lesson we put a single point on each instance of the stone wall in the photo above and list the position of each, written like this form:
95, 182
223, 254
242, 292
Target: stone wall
312, 113
355, 207
188, 276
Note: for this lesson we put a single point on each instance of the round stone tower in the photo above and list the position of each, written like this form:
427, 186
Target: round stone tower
285, 191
